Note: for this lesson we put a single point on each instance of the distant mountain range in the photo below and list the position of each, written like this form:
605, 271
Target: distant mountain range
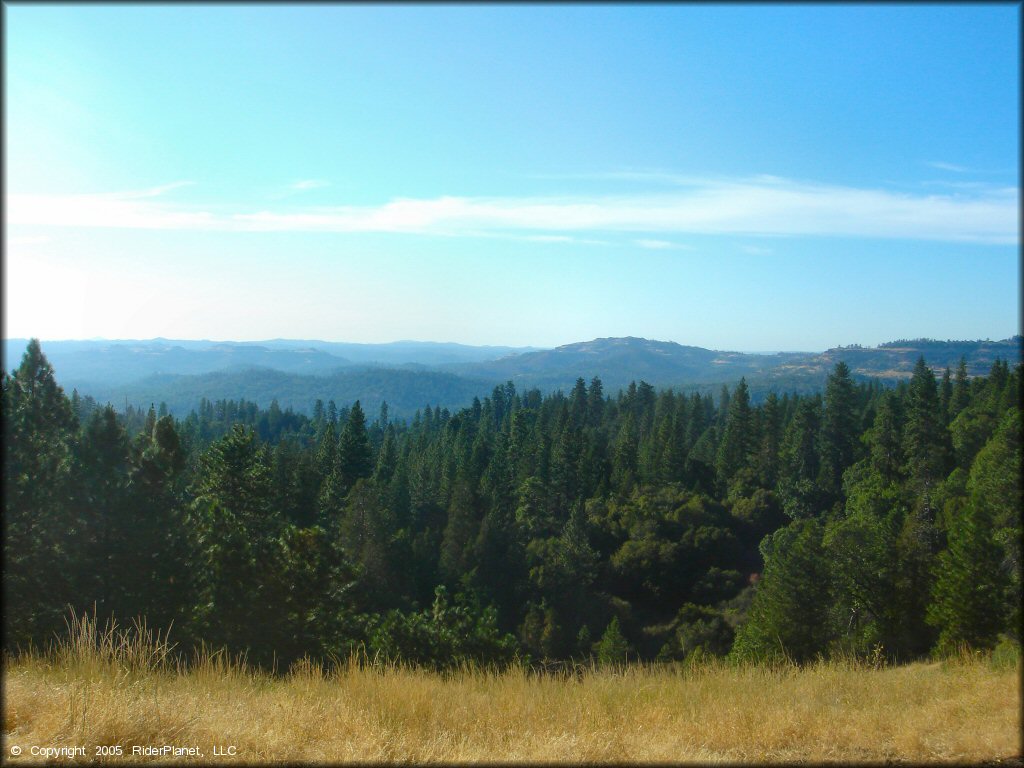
409, 374
619, 361
119, 362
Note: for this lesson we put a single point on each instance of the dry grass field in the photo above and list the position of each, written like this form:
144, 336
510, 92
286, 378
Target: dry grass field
118, 689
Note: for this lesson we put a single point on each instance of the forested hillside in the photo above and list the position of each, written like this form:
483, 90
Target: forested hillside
105, 362
617, 361
408, 374
636, 524
403, 390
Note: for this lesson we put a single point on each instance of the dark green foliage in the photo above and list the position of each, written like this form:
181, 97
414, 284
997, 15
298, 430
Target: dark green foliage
236, 530
862, 550
838, 432
801, 495
443, 636
977, 580
38, 430
612, 648
790, 614
120, 531
697, 630
970, 605
355, 459
738, 437
859, 519
922, 437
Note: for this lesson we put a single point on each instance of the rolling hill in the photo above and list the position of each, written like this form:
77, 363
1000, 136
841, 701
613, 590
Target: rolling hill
404, 390
409, 375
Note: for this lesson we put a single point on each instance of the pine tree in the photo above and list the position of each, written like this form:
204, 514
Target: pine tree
164, 551
945, 397
734, 449
771, 439
861, 551
969, 605
885, 439
985, 543
922, 434
355, 457
595, 402
578, 404
38, 425
460, 533
612, 648
236, 528
673, 453
626, 463
838, 430
106, 513
800, 463
790, 613
387, 460
962, 390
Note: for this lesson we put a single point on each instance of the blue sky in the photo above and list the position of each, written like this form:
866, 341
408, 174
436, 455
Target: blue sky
737, 177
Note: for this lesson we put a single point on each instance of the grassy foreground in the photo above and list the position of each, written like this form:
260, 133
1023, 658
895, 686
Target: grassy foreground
118, 688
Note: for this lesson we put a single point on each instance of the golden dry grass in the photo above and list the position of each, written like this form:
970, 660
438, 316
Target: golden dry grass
121, 690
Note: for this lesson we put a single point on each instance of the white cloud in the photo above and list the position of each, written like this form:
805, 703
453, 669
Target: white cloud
753, 206
157, 191
660, 245
757, 250
125, 211
947, 166
549, 238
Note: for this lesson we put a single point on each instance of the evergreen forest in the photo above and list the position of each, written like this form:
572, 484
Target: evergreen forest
642, 524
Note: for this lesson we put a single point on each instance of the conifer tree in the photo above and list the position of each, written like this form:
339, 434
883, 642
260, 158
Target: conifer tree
800, 463
578, 404
626, 462
991, 531
838, 430
922, 434
612, 648
355, 457
107, 514
164, 552
969, 606
945, 397
790, 613
885, 439
595, 402
734, 449
236, 529
387, 459
38, 426
771, 438
961, 390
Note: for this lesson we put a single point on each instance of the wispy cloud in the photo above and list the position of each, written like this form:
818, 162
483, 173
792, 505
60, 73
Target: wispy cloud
757, 250
156, 191
659, 245
759, 205
947, 166
549, 238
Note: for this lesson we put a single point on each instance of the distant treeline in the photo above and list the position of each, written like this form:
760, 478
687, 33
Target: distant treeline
948, 344
645, 525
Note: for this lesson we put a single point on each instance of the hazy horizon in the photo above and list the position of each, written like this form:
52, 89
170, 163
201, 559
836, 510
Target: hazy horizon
525, 347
